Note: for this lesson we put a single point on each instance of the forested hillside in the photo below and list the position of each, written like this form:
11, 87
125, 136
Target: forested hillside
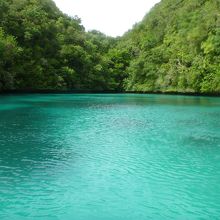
176, 48
41, 48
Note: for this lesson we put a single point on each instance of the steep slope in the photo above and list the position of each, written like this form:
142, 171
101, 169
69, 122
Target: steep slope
176, 48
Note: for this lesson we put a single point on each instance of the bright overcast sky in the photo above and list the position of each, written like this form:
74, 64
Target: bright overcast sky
112, 17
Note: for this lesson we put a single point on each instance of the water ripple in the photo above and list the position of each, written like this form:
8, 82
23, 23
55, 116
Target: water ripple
109, 157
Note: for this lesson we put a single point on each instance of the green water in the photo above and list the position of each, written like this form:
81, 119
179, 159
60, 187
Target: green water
109, 157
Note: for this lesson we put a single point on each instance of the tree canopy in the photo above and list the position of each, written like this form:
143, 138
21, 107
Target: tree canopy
175, 48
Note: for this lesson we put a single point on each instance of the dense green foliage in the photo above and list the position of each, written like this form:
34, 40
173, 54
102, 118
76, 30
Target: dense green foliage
176, 48
41, 48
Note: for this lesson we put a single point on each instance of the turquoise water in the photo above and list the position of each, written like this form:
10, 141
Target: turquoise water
109, 157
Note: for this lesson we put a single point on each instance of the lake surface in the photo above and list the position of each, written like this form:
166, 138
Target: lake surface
109, 157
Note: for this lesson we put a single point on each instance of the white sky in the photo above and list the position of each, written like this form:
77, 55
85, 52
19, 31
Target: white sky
112, 17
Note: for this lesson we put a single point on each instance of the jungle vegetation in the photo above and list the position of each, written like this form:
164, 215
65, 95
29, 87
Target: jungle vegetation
175, 48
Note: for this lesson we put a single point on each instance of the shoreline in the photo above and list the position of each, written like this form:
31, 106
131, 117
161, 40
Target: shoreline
18, 92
